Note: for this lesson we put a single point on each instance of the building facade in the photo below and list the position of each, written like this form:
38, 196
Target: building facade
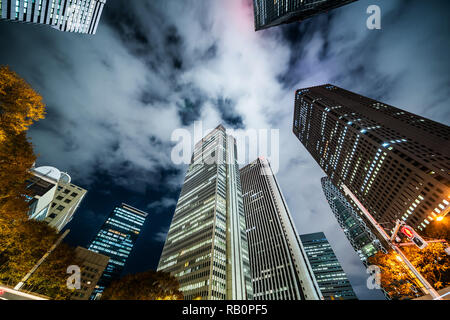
91, 265
116, 240
80, 16
65, 203
270, 13
396, 163
332, 280
361, 236
280, 267
40, 191
206, 247
52, 197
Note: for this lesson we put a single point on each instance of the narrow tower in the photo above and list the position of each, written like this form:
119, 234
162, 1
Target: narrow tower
280, 267
206, 247
332, 279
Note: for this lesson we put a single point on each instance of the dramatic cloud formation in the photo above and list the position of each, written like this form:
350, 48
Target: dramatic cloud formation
114, 99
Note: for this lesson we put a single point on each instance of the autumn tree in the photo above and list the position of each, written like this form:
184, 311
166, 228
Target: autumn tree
150, 285
20, 105
439, 230
23, 241
395, 278
31, 241
432, 262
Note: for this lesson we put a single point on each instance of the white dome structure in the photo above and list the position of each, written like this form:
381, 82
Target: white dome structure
49, 172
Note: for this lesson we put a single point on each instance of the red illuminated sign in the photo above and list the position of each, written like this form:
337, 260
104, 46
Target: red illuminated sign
407, 232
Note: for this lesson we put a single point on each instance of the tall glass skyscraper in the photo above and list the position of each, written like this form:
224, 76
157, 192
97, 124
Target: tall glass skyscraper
280, 267
395, 163
206, 247
80, 16
333, 281
360, 235
270, 13
116, 239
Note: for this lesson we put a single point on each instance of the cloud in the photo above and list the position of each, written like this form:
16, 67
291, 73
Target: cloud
162, 204
161, 235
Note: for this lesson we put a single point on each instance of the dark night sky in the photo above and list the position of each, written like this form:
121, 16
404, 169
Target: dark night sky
115, 98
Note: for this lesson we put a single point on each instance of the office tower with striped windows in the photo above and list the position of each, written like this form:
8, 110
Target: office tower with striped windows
80, 16
333, 281
361, 235
270, 13
206, 247
394, 162
116, 240
279, 265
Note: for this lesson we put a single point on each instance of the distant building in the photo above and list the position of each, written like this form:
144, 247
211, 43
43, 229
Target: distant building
270, 13
279, 265
80, 16
206, 247
116, 239
92, 265
394, 162
52, 197
332, 280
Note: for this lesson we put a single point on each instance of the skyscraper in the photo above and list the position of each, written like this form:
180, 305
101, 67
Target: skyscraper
395, 163
116, 239
206, 247
65, 15
333, 281
280, 267
361, 236
270, 13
